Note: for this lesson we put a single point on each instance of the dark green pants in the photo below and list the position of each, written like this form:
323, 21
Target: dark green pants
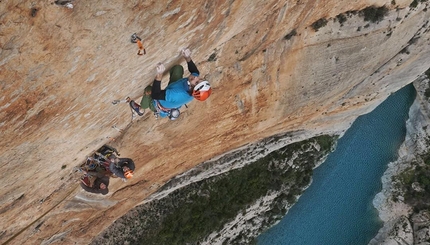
146, 102
176, 73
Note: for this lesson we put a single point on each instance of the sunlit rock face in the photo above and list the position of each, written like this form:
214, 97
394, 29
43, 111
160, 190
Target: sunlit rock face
272, 66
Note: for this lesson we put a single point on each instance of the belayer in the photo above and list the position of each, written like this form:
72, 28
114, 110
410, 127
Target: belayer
96, 170
179, 92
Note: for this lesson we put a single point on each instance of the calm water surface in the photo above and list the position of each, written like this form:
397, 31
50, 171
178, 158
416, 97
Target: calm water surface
337, 208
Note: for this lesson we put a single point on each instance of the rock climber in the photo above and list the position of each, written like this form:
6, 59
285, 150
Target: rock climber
123, 168
179, 91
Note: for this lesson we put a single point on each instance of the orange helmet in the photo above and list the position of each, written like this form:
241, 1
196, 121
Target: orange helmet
128, 174
202, 90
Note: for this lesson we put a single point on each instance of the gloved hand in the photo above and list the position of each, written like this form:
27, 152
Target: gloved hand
160, 68
186, 53
124, 179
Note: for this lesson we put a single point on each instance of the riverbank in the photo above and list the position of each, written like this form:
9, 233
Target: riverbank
406, 219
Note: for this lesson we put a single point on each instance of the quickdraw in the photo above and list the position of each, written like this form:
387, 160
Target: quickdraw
138, 40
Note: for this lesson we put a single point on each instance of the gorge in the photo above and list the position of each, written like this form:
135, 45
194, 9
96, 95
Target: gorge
300, 69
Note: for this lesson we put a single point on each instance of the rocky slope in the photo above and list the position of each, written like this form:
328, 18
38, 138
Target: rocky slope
275, 66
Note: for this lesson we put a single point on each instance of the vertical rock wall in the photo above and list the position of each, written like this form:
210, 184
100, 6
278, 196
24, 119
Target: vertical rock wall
271, 72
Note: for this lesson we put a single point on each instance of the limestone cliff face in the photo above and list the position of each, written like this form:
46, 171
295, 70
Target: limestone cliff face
271, 72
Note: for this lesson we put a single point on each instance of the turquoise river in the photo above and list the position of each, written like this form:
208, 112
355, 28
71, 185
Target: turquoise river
337, 207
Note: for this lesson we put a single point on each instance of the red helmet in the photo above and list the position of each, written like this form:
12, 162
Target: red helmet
202, 90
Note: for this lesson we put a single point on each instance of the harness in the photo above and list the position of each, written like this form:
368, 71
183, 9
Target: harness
173, 113
160, 107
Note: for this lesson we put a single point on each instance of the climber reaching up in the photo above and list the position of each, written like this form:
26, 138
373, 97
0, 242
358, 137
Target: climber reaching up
179, 91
